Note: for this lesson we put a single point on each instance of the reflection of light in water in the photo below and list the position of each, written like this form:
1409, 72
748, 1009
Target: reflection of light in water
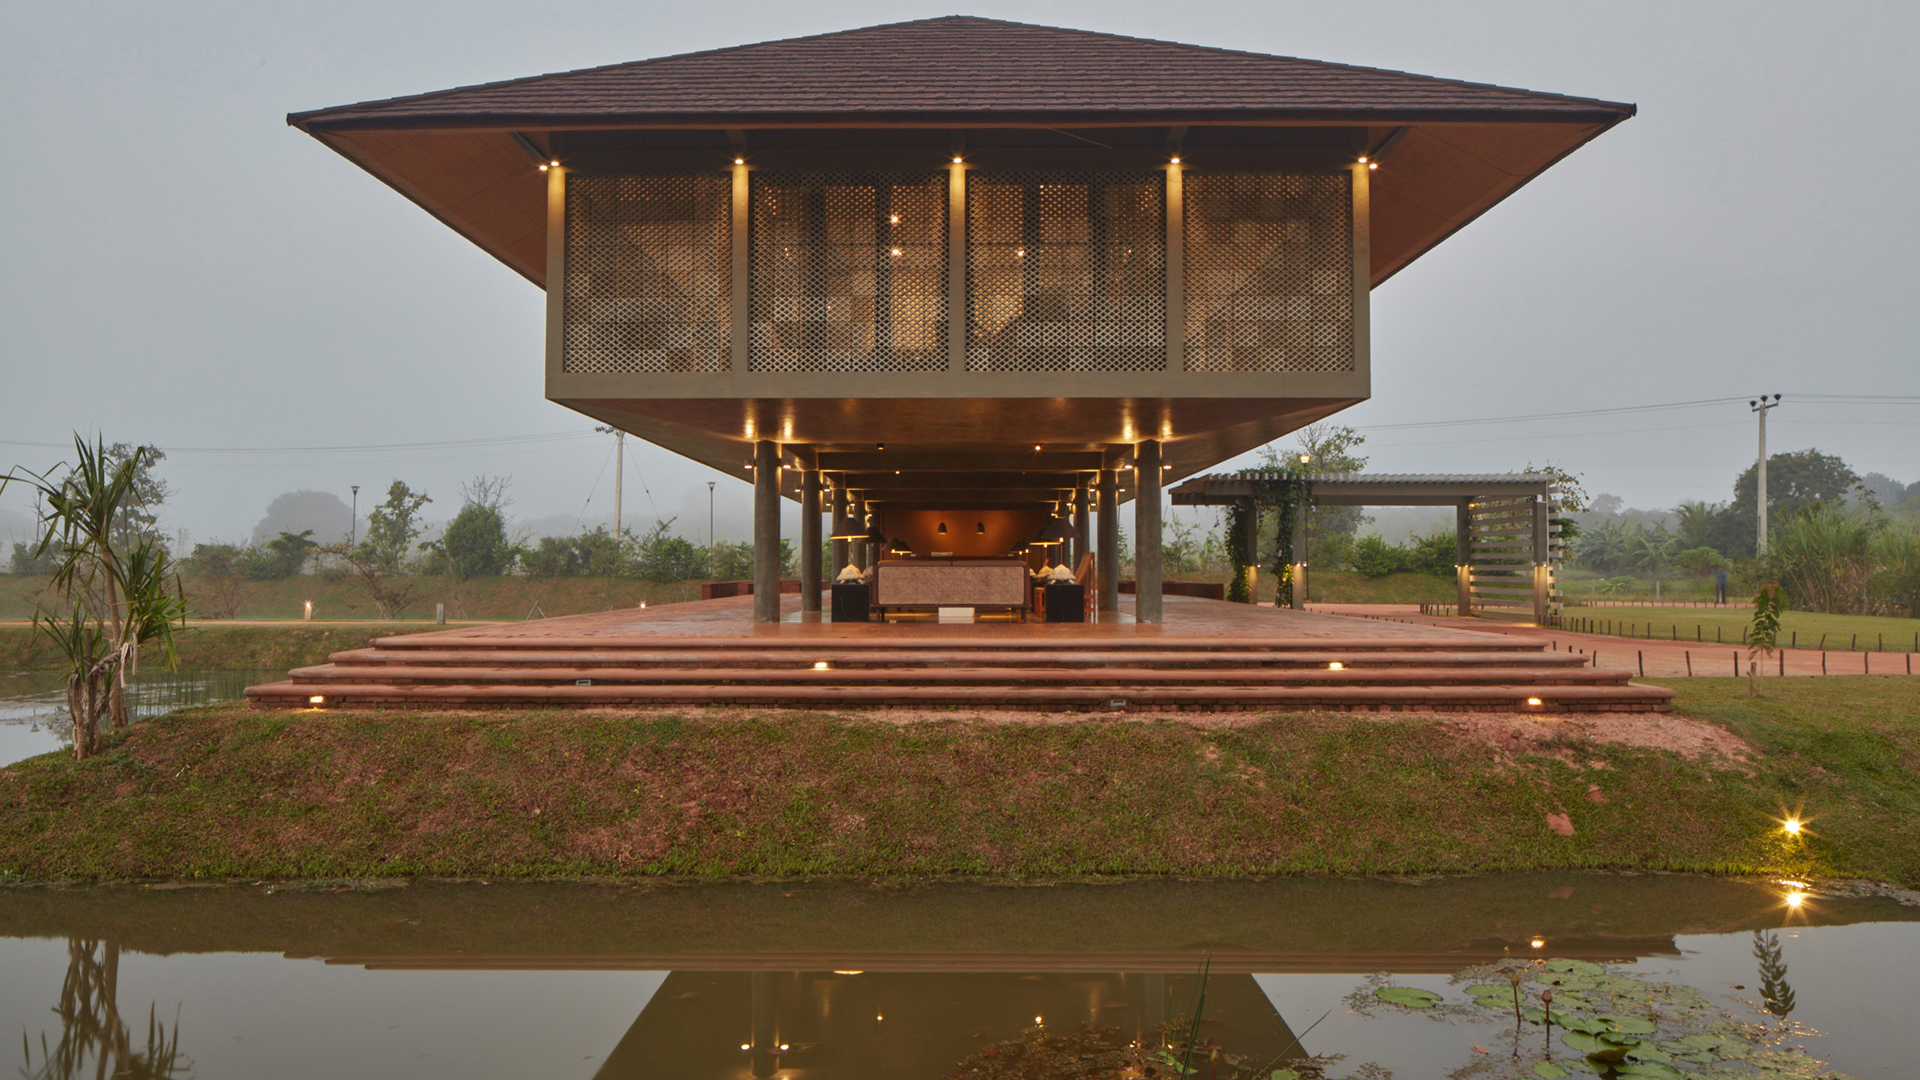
1538, 943
1795, 899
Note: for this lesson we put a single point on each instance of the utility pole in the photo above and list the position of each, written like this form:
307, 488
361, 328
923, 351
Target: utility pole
619, 470
1759, 406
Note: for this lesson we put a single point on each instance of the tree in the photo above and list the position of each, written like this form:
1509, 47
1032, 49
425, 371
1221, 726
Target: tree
29, 561
1374, 557
219, 574
1329, 449
661, 556
115, 597
390, 592
1795, 479
282, 557
392, 527
138, 519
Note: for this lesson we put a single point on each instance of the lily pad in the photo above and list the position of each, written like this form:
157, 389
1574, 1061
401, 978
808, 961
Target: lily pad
1410, 997
1501, 992
1581, 967
1629, 1025
1648, 1070
1547, 1070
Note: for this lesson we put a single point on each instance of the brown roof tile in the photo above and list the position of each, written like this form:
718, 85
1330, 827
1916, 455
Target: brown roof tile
960, 69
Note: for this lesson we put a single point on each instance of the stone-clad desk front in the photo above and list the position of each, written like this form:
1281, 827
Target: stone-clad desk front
934, 583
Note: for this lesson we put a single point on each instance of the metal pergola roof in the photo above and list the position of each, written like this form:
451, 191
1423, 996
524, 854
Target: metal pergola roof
1367, 489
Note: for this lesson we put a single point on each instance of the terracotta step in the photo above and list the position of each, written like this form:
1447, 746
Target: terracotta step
909, 641
1500, 698
842, 659
335, 675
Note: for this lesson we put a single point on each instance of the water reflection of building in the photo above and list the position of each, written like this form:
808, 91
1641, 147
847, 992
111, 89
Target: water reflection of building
875, 1025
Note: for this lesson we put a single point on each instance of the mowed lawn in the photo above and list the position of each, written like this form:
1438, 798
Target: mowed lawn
1801, 629
724, 794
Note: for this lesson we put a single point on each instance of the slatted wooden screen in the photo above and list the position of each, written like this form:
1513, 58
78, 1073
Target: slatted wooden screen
1502, 559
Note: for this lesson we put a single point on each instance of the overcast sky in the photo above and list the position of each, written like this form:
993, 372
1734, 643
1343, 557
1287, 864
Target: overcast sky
183, 269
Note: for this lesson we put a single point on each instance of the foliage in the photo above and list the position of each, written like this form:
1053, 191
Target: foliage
94, 1038
1827, 559
137, 519
113, 581
1433, 553
1796, 480
661, 556
1701, 560
390, 592
284, 556
475, 543
731, 561
1763, 633
1329, 449
28, 560
392, 527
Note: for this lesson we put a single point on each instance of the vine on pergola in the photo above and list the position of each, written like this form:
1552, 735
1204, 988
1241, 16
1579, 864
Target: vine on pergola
1287, 494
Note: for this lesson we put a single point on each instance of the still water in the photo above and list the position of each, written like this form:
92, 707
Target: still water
821, 981
33, 704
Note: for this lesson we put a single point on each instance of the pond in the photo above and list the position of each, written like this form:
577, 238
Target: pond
33, 704
1671, 975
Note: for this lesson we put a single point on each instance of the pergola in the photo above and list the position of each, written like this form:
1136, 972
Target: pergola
1504, 534
961, 275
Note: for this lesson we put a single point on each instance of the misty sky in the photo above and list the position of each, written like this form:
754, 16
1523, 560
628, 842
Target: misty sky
183, 269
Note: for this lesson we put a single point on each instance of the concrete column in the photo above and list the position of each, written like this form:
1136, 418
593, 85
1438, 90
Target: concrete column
1084, 544
1146, 532
839, 519
766, 532
1106, 559
810, 540
1463, 556
1300, 511
861, 550
1542, 562
1252, 554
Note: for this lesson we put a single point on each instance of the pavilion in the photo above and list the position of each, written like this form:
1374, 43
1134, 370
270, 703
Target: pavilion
959, 271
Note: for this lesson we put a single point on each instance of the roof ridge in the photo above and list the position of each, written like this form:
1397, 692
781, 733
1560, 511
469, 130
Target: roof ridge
299, 119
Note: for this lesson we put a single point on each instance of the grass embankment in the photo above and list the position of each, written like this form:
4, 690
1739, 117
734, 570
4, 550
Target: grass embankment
344, 598
1801, 629
225, 792
224, 646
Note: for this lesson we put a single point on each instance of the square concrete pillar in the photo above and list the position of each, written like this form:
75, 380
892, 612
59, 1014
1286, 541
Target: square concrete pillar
810, 540
1146, 532
766, 532
1106, 558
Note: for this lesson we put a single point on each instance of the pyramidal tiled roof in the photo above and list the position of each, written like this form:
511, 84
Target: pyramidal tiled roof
960, 69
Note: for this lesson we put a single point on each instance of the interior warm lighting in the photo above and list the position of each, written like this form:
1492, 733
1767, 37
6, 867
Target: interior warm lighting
860, 972
1037, 1020
1176, 161
980, 528
956, 161
1036, 448
543, 168
746, 1046
1304, 458
879, 446
895, 219
1537, 943
1372, 166
879, 1017
739, 161
896, 251
783, 1048
1533, 701
1363, 159
555, 164
942, 530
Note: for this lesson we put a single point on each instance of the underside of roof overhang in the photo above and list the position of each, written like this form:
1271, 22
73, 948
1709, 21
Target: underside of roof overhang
1433, 177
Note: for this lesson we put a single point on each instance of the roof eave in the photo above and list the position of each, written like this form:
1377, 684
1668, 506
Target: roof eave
333, 120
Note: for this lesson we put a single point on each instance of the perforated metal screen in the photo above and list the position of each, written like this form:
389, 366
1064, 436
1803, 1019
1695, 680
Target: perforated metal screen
649, 281
1066, 271
849, 271
1269, 272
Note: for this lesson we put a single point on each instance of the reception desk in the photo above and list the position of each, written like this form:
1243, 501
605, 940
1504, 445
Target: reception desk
927, 584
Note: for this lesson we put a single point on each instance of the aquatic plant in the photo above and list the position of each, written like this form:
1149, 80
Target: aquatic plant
1619, 1026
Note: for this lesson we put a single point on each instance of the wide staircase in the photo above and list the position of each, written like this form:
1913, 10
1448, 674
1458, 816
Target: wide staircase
1453, 673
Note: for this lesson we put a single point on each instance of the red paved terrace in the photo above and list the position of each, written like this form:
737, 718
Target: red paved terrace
1207, 655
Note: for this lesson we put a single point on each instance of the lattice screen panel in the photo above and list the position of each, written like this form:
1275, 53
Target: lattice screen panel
1066, 271
849, 272
1269, 272
649, 273
1502, 574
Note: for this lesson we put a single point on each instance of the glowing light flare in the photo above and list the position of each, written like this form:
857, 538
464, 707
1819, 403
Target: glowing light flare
1336, 666
822, 665
1795, 899
316, 700
1534, 701
1791, 826
1537, 943
1038, 1020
